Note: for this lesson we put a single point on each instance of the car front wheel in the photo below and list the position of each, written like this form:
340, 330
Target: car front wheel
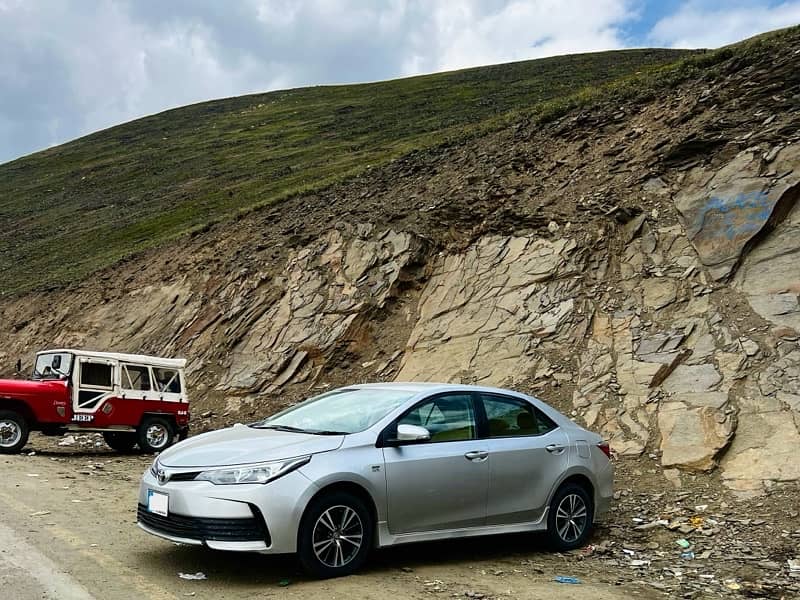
335, 536
569, 521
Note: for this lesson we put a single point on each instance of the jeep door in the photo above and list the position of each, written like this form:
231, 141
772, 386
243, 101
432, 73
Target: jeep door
94, 384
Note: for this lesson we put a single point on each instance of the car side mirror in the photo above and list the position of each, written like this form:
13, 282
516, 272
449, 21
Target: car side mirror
412, 433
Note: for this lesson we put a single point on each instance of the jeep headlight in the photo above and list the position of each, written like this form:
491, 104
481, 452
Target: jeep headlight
254, 473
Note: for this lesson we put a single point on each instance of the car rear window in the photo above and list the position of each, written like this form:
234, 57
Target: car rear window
511, 417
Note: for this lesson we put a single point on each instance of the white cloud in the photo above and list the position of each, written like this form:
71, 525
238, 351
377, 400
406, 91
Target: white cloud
70, 68
700, 25
464, 33
73, 67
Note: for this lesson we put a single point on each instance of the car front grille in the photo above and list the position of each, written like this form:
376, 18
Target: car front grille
250, 529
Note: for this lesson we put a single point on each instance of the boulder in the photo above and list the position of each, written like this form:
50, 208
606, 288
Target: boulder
692, 379
770, 275
691, 437
659, 292
764, 452
724, 210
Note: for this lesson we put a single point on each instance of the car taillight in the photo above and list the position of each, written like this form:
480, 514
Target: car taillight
605, 448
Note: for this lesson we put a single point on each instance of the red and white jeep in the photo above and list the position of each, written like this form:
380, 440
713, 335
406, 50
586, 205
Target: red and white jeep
130, 398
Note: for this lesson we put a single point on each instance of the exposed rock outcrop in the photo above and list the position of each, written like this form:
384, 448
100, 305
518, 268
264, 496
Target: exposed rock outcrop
492, 313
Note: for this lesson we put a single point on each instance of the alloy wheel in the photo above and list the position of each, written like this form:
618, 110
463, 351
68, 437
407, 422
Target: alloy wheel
157, 435
10, 433
337, 536
571, 517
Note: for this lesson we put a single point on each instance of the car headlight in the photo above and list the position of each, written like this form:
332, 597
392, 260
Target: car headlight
154, 468
255, 473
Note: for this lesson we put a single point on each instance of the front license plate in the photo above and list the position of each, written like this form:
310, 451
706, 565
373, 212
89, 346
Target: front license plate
157, 503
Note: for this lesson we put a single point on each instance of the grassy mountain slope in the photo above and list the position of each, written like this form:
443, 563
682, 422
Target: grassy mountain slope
72, 209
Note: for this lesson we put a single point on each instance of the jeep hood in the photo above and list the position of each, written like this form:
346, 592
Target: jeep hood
241, 444
23, 389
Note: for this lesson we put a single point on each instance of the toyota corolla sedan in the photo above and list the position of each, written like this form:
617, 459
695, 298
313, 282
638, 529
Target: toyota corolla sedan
368, 466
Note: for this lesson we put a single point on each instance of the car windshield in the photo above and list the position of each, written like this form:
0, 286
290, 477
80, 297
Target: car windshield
342, 411
53, 365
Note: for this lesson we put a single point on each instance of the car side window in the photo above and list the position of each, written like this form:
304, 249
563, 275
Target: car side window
167, 380
511, 417
98, 375
135, 377
96, 379
448, 418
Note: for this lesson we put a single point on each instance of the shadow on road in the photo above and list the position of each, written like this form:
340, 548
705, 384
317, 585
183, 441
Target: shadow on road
246, 569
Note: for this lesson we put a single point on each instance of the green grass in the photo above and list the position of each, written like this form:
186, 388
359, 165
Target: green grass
70, 210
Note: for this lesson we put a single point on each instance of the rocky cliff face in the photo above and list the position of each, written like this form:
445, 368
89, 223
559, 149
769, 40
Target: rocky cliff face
636, 265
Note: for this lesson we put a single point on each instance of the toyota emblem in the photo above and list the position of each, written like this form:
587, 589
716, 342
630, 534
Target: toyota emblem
162, 476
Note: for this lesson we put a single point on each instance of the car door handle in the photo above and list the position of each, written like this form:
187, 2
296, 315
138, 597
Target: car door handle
555, 448
476, 455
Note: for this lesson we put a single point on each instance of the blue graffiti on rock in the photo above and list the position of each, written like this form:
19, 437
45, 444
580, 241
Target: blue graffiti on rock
737, 216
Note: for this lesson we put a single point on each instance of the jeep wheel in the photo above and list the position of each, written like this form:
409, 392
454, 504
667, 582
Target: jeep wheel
13, 432
155, 434
120, 440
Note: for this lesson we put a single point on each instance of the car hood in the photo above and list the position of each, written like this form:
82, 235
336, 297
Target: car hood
241, 444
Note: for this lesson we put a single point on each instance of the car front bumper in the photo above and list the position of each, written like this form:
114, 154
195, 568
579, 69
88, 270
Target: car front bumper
248, 518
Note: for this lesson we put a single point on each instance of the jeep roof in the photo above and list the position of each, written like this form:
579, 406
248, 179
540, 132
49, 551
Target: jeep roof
175, 363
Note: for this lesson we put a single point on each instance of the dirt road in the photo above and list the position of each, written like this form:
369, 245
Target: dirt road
68, 530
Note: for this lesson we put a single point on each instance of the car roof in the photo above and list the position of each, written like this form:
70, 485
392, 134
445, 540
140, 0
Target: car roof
421, 386
175, 363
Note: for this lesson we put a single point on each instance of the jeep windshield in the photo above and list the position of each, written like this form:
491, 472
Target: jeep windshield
52, 365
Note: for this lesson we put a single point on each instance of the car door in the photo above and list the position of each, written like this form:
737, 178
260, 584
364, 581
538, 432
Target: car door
528, 452
441, 483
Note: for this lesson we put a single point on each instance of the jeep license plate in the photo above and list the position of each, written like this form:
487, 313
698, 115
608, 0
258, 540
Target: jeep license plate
157, 503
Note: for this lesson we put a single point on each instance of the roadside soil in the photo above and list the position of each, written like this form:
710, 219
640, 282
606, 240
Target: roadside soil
76, 506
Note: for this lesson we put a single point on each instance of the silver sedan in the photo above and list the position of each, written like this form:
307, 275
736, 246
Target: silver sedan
376, 465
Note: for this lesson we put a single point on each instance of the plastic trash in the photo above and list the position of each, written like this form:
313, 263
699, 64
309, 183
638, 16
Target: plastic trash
683, 543
697, 522
563, 579
732, 585
688, 555
193, 576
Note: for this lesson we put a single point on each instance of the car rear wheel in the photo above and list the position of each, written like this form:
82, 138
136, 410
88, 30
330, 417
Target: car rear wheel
569, 521
13, 432
120, 441
335, 535
155, 434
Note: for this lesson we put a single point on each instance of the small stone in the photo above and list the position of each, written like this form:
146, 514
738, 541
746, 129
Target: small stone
749, 346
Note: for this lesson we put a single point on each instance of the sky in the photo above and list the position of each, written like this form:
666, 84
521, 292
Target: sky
70, 67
